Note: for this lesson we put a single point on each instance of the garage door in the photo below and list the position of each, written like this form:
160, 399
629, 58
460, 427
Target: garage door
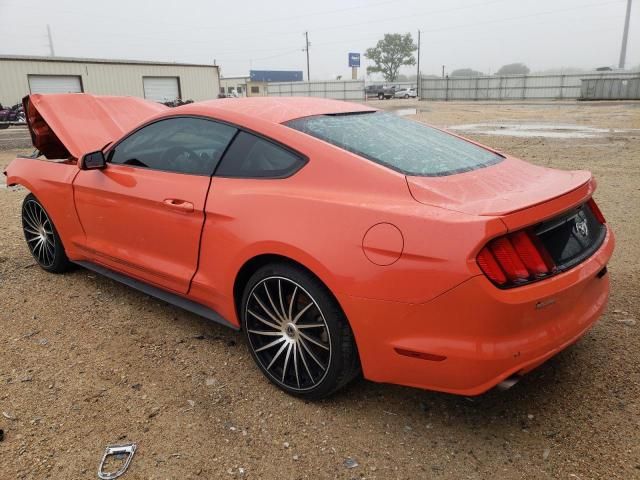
161, 89
55, 84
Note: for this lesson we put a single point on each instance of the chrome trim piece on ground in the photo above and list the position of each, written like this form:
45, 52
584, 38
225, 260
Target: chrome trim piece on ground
117, 450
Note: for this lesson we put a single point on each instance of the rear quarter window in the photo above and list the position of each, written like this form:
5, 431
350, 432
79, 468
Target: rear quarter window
250, 156
406, 146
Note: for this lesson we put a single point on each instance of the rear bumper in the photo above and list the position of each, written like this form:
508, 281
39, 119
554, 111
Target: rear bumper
484, 334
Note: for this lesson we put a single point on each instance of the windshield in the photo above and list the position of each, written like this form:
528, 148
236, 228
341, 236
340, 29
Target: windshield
406, 146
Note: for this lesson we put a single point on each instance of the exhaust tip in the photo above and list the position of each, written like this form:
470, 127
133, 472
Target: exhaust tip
507, 383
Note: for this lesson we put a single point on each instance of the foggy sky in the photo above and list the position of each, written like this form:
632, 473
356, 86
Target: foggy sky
269, 34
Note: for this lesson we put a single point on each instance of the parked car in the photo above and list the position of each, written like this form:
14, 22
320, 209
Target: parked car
405, 93
340, 239
381, 92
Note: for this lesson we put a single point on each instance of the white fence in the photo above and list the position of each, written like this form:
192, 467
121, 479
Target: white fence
611, 88
339, 89
511, 87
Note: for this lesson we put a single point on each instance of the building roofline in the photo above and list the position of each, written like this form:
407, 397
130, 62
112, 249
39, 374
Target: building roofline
100, 60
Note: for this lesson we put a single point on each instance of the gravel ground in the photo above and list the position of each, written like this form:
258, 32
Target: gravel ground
86, 362
14, 137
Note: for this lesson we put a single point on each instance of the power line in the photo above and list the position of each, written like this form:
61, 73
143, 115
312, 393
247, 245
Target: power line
413, 15
500, 20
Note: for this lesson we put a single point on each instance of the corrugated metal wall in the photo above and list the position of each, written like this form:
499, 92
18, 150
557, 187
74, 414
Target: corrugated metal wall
612, 88
196, 82
339, 90
512, 87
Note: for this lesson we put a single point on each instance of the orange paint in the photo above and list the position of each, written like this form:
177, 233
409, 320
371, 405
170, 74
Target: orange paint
410, 285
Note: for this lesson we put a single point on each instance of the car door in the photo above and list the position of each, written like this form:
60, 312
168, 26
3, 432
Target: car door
143, 214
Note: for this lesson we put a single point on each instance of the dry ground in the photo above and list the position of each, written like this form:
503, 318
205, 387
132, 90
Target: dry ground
85, 362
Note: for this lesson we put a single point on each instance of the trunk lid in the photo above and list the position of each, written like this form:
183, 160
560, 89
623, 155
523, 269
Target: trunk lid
72, 124
497, 190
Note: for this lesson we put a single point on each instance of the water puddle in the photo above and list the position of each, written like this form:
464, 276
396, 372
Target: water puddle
402, 112
534, 130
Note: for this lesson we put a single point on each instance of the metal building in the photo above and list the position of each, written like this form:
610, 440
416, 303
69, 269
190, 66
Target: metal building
21, 75
275, 75
242, 86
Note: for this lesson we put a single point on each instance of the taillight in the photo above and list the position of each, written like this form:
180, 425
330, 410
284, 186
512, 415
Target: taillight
514, 259
596, 211
530, 254
490, 267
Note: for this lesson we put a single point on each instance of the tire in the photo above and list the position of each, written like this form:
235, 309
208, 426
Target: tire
297, 333
42, 237
380, 96
406, 96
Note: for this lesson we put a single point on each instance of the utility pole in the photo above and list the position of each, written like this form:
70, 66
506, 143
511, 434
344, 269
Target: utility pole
625, 37
52, 53
418, 81
306, 37
442, 71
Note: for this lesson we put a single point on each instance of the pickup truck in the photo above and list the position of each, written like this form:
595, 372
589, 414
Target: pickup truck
381, 92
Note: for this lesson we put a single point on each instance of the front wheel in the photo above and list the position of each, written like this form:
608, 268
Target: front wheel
297, 333
42, 237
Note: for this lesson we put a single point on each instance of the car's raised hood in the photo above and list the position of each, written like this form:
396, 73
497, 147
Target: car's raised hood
72, 124
499, 189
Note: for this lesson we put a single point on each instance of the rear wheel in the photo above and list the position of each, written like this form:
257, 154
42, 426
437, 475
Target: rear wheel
297, 333
42, 237
381, 96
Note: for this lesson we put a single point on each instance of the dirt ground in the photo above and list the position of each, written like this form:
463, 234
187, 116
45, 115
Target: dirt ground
86, 362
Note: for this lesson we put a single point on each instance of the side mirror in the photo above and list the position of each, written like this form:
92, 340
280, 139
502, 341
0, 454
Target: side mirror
93, 161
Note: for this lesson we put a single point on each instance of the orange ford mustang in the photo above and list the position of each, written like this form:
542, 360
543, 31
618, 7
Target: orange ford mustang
339, 238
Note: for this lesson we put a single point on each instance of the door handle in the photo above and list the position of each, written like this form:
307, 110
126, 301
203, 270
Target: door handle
178, 204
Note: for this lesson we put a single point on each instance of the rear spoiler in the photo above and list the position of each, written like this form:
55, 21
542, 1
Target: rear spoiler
69, 125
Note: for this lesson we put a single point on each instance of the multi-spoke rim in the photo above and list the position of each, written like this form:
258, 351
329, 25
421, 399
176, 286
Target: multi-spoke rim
288, 333
38, 232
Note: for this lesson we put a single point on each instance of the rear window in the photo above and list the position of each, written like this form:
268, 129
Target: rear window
406, 146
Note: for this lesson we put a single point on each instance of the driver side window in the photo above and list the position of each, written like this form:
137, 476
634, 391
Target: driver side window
181, 145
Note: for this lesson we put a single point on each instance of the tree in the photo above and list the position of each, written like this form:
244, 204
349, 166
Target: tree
513, 69
466, 72
390, 53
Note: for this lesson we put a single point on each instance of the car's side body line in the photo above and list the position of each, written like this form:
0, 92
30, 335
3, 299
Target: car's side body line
159, 293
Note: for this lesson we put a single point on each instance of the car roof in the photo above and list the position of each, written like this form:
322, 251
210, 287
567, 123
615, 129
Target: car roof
274, 109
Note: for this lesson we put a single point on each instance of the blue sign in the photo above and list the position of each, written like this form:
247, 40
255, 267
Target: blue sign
354, 59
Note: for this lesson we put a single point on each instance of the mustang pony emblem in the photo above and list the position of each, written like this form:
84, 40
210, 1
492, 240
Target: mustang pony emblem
581, 227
